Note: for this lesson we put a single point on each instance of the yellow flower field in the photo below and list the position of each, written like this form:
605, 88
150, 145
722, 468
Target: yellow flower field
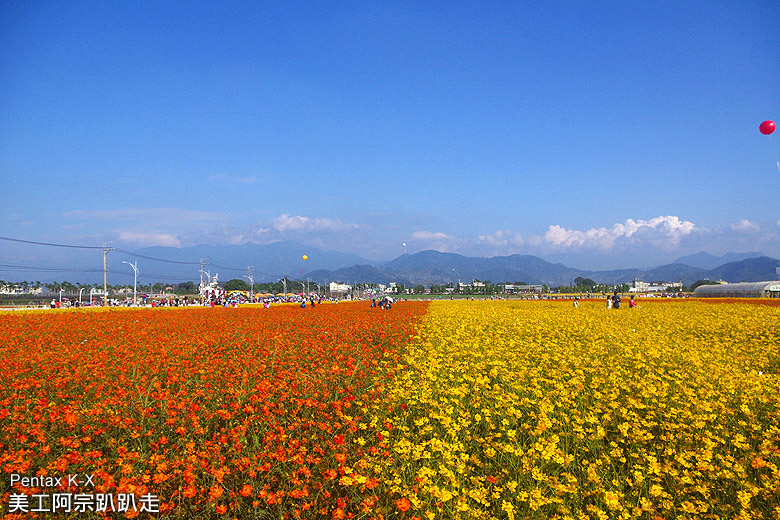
542, 410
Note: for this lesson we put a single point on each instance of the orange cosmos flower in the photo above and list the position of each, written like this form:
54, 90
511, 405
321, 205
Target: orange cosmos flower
403, 505
215, 491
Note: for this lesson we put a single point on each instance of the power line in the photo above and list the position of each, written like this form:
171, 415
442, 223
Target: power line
48, 243
147, 276
124, 251
235, 269
228, 268
138, 255
13, 267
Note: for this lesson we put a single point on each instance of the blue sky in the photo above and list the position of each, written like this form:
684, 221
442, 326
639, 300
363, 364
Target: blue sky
609, 134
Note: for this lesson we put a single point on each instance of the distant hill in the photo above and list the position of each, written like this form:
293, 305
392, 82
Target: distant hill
673, 273
707, 261
358, 274
749, 270
271, 261
433, 267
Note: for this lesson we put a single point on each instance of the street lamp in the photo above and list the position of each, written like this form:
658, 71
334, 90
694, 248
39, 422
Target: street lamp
80, 290
135, 278
61, 289
251, 283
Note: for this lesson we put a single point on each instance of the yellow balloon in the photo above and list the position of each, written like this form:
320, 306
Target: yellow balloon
305, 257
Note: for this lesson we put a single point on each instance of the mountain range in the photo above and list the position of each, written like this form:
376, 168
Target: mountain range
708, 261
429, 267
270, 262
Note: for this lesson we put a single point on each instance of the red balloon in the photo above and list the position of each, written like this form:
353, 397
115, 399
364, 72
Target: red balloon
767, 127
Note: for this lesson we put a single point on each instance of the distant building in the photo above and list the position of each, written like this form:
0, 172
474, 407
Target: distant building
339, 289
379, 289
769, 289
523, 289
647, 287
473, 285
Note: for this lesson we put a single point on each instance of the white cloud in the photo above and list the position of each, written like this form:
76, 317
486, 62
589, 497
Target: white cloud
745, 225
429, 235
659, 231
567, 238
286, 223
147, 239
437, 241
501, 238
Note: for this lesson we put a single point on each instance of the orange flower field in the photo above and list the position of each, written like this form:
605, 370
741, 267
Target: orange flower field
215, 411
465, 409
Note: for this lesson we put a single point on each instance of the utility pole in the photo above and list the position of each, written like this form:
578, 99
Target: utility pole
105, 268
284, 281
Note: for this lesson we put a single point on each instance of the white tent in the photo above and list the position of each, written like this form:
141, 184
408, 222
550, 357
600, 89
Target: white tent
739, 290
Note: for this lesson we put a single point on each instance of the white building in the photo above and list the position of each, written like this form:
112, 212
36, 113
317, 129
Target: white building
11, 289
339, 288
638, 286
474, 284
522, 289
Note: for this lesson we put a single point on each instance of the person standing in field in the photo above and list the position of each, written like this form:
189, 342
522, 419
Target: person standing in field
609, 302
616, 300
631, 303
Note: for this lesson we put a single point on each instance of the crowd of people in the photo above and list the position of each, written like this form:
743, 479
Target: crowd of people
384, 303
614, 301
